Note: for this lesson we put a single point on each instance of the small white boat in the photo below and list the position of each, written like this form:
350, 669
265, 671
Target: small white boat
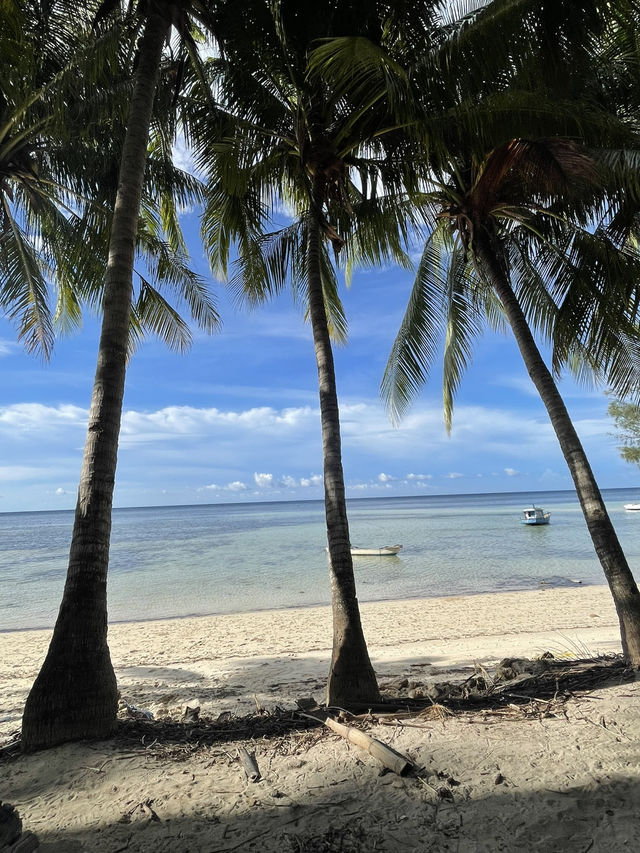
535, 515
632, 507
385, 551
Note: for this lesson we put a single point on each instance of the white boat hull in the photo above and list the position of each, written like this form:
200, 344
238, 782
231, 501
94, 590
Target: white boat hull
385, 551
632, 507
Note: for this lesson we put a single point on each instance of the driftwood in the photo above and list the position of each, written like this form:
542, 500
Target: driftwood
387, 756
150, 813
249, 763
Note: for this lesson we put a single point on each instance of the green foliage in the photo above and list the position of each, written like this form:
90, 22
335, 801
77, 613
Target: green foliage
63, 108
287, 147
627, 420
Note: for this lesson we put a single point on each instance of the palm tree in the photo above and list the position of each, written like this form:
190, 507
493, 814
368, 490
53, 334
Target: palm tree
471, 101
506, 214
290, 139
75, 694
40, 233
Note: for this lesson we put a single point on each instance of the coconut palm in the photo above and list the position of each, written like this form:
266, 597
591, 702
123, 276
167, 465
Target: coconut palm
57, 188
290, 141
474, 101
75, 693
515, 244
40, 232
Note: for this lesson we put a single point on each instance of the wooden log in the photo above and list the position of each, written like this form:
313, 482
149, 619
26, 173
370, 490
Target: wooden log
249, 763
150, 813
385, 754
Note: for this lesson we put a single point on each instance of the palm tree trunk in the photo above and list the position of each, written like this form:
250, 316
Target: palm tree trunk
624, 589
351, 676
75, 693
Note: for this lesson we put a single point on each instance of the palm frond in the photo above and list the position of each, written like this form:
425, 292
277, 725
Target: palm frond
417, 343
151, 313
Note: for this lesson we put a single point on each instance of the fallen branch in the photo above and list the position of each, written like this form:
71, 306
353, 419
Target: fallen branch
387, 756
249, 763
150, 813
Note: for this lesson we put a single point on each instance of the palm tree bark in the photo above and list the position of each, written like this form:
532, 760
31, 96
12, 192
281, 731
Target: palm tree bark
75, 693
624, 589
351, 675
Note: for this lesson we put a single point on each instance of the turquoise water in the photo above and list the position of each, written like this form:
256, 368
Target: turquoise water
179, 561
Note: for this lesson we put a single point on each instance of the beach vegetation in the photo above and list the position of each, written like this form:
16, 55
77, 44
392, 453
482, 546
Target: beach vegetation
514, 234
627, 420
42, 239
75, 693
329, 137
298, 185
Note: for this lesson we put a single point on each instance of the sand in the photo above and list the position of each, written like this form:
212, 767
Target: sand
562, 781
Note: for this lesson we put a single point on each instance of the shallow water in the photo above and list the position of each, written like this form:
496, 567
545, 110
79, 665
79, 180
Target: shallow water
179, 561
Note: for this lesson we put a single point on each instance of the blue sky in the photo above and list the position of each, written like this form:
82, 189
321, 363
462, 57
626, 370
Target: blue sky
236, 419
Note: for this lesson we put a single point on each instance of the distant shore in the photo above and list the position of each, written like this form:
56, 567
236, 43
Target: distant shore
229, 662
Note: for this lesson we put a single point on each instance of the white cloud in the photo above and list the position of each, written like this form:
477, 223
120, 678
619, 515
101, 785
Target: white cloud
263, 481
227, 453
314, 480
35, 417
236, 486
420, 484
176, 422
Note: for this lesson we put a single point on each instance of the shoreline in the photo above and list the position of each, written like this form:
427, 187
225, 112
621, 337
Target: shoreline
213, 614
235, 661
558, 774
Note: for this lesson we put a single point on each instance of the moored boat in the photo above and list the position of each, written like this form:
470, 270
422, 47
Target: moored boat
632, 507
385, 551
535, 515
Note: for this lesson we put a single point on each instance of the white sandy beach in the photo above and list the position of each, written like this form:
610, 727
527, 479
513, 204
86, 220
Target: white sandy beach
565, 782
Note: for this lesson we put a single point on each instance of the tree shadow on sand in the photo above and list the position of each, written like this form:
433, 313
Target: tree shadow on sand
368, 813
337, 799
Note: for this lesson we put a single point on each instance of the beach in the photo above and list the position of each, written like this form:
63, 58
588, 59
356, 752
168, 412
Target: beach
563, 782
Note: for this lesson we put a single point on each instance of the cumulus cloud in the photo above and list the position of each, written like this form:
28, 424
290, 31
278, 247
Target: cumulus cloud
314, 480
176, 422
235, 486
263, 481
237, 448
36, 417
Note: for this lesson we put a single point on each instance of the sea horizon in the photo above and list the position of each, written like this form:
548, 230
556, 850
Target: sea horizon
439, 495
190, 560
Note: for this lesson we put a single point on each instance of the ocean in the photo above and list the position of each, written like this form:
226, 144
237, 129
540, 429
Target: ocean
221, 558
